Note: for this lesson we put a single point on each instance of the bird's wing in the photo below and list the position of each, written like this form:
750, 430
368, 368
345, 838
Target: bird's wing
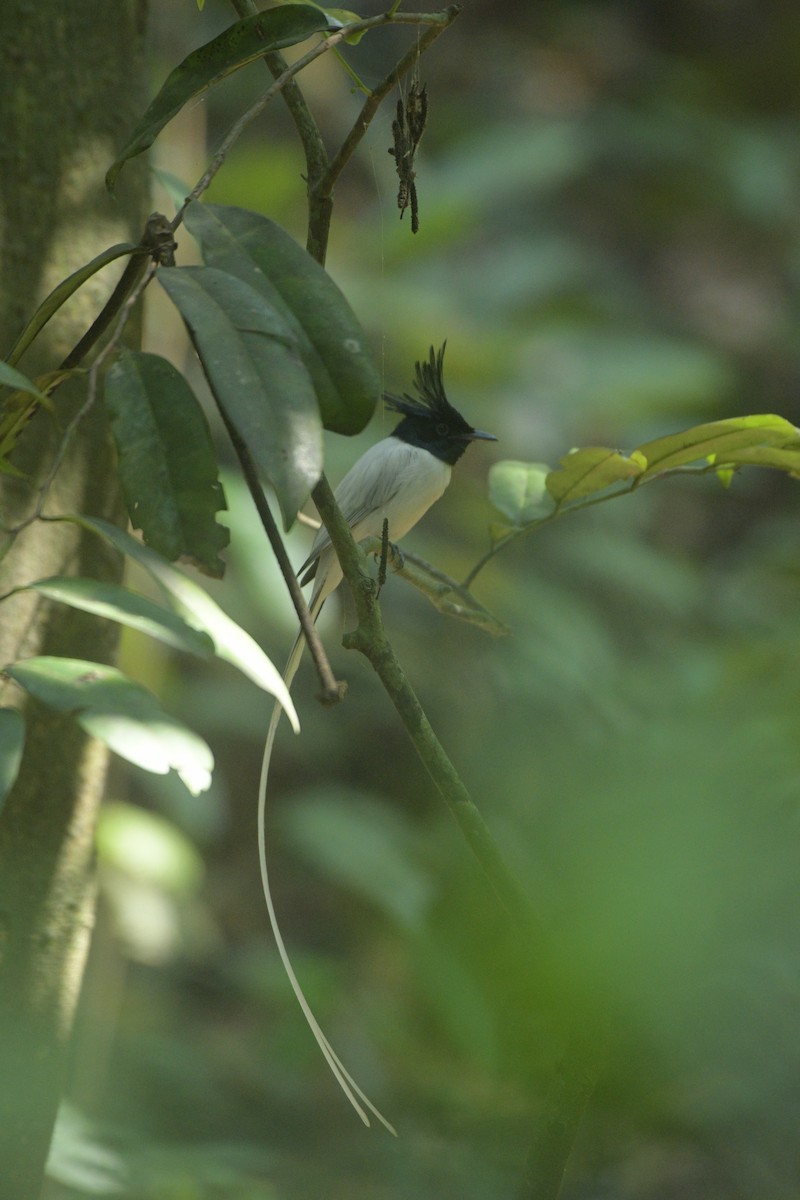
365, 488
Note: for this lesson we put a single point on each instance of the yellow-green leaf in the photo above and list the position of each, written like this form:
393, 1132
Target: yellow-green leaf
716, 441
589, 470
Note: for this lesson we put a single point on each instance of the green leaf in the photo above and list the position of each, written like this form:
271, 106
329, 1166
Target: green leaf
330, 339
344, 17
236, 46
231, 642
117, 603
519, 491
782, 458
716, 440
167, 463
119, 712
589, 470
60, 294
12, 742
252, 362
10, 377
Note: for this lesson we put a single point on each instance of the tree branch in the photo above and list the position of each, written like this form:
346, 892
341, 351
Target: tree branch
370, 638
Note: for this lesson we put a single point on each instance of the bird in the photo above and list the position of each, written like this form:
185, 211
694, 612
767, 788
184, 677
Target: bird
394, 481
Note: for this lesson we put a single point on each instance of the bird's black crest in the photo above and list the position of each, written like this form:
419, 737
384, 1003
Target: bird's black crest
429, 382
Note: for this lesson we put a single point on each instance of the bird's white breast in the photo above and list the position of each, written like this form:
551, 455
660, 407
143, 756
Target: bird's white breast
393, 481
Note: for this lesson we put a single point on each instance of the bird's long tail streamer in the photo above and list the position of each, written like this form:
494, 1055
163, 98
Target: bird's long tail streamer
352, 1091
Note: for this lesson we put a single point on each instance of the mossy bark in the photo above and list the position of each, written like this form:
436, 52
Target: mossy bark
71, 83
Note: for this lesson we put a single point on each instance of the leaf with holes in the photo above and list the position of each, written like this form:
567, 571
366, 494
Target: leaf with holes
167, 464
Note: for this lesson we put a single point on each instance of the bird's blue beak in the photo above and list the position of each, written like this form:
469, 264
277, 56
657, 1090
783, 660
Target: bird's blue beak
475, 435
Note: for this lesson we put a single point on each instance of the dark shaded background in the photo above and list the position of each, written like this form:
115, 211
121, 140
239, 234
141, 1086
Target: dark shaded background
609, 242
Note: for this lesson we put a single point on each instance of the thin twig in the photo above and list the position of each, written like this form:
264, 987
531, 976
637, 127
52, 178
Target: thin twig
445, 594
565, 510
370, 639
374, 100
255, 110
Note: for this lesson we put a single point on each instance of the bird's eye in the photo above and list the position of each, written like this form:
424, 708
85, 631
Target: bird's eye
442, 430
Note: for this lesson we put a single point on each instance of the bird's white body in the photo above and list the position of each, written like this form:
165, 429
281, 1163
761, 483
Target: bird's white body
392, 481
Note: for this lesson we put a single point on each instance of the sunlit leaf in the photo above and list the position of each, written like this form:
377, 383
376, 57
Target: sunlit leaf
782, 458
231, 642
154, 741
60, 294
119, 712
239, 44
12, 741
118, 603
253, 365
330, 339
519, 491
590, 470
167, 464
717, 440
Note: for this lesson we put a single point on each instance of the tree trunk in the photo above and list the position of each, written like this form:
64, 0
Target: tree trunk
71, 84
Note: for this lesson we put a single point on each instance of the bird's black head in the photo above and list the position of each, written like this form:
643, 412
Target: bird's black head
430, 421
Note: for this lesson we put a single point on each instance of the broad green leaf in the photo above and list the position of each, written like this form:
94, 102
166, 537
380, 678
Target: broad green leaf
231, 642
782, 458
519, 491
118, 603
60, 294
589, 470
167, 464
119, 712
12, 742
253, 365
11, 377
239, 44
330, 339
153, 741
716, 440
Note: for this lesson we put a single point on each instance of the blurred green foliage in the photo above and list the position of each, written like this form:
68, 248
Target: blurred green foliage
608, 198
